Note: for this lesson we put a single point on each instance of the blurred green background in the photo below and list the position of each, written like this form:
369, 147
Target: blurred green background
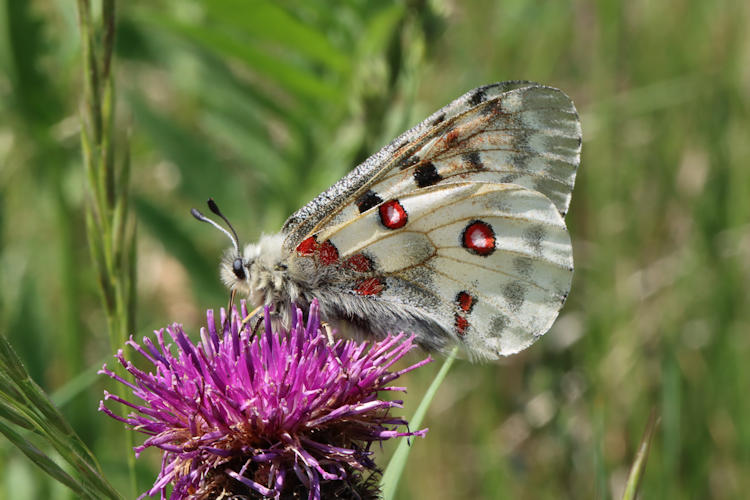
263, 104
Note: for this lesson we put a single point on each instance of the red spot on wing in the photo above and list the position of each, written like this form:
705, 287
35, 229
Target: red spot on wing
465, 301
328, 253
461, 325
358, 262
325, 252
308, 247
393, 215
370, 286
478, 238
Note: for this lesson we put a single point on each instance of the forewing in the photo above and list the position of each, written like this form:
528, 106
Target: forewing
490, 264
511, 132
529, 136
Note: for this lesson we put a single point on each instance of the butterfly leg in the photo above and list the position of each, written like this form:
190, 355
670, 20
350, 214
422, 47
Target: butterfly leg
329, 332
230, 308
250, 316
331, 341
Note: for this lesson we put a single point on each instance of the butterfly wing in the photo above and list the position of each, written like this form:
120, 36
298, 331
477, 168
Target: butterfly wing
511, 132
485, 265
455, 230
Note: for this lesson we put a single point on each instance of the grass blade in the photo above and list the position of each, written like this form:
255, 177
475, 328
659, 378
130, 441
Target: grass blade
26, 405
392, 474
636, 471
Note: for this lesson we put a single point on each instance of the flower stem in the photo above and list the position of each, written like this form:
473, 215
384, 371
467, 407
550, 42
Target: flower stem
392, 474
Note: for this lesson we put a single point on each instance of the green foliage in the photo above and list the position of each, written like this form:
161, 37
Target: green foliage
263, 104
639, 465
25, 407
392, 474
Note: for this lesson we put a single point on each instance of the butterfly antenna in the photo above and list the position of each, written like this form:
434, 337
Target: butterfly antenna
232, 236
215, 209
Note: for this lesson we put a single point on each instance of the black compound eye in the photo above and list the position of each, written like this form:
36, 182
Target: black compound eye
238, 268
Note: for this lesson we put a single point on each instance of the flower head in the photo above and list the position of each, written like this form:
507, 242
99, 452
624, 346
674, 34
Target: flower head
284, 414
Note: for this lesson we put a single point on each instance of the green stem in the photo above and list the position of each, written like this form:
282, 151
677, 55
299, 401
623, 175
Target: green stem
639, 465
389, 481
107, 216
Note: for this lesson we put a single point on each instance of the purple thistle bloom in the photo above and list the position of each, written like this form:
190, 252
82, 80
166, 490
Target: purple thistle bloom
282, 414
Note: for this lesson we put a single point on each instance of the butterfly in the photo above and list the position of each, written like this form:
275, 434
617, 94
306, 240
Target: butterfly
454, 231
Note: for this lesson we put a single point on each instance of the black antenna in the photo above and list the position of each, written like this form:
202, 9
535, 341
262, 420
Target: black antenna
212, 205
215, 209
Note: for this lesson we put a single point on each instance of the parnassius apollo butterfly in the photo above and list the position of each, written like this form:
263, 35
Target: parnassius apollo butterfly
453, 231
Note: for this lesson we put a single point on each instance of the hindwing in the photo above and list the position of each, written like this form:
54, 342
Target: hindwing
490, 264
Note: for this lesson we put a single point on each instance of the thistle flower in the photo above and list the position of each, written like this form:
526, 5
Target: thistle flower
284, 414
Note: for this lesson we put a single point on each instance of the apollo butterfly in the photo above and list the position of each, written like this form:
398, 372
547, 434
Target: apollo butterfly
454, 231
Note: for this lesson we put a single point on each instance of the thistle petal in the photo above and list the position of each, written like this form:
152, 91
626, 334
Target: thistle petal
262, 416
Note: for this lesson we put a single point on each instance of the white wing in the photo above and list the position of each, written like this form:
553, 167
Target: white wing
511, 132
455, 230
485, 265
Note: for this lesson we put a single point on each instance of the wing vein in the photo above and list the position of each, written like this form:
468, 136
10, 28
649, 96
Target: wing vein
499, 271
476, 292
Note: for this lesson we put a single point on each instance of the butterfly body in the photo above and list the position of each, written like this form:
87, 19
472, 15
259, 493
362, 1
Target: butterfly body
454, 231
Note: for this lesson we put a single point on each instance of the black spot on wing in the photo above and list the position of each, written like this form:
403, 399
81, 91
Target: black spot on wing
474, 160
478, 97
534, 236
498, 324
426, 175
515, 294
368, 200
438, 120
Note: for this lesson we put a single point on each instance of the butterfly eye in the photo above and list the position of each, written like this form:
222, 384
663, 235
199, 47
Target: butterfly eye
238, 268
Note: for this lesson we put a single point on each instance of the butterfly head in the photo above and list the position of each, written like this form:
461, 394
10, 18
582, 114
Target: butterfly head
257, 270
235, 269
